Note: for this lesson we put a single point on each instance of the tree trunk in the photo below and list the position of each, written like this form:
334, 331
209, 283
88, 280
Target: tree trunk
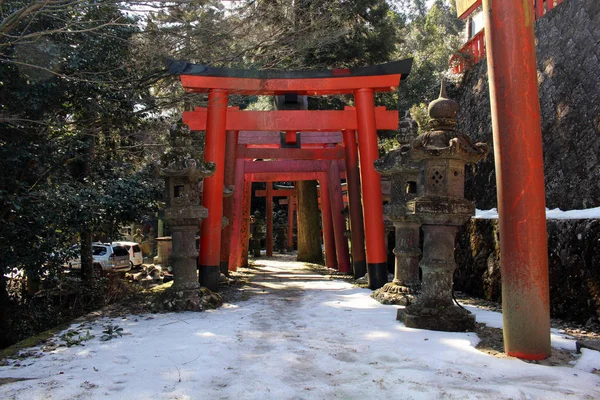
84, 170
5, 331
87, 259
309, 239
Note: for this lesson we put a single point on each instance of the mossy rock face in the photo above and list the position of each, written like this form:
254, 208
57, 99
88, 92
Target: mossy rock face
573, 257
172, 300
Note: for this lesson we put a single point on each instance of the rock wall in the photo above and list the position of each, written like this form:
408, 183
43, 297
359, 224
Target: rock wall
573, 261
568, 56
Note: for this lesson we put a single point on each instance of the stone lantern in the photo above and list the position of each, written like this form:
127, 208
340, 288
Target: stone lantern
184, 213
403, 172
443, 152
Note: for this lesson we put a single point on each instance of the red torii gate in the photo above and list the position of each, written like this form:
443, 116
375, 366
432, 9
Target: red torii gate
265, 145
268, 194
364, 119
327, 173
290, 199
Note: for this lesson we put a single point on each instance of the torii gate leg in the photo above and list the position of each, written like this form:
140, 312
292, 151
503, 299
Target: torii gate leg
519, 177
212, 198
371, 189
237, 216
339, 221
229, 180
327, 223
290, 237
245, 234
357, 232
269, 208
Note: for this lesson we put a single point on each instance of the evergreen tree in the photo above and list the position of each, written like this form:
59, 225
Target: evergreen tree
71, 130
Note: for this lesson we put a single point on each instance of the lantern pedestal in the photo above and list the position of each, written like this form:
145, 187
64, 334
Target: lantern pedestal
434, 309
404, 174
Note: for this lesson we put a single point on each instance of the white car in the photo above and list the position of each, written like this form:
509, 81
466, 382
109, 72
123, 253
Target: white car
107, 257
135, 253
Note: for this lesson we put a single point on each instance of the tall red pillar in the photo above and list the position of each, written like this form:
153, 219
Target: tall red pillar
212, 198
357, 232
237, 217
327, 223
519, 177
339, 221
229, 180
371, 189
269, 208
245, 234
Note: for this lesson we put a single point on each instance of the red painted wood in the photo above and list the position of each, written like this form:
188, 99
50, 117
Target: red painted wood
370, 180
269, 208
283, 176
327, 223
476, 45
288, 166
267, 137
357, 232
336, 153
516, 124
276, 193
470, 10
311, 87
237, 215
212, 198
296, 120
247, 202
539, 8
229, 180
339, 221
290, 137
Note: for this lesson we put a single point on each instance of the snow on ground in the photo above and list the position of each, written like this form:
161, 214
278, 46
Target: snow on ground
556, 213
299, 336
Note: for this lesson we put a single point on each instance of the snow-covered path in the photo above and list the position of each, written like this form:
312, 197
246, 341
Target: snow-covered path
299, 336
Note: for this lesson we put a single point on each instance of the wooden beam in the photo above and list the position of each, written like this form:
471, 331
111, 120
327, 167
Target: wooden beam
276, 193
288, 166
464, 8
292, 120
310, 87
268, 137
335, 153
284, 176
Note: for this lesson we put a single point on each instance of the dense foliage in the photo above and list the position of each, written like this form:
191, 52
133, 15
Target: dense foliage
71, 136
